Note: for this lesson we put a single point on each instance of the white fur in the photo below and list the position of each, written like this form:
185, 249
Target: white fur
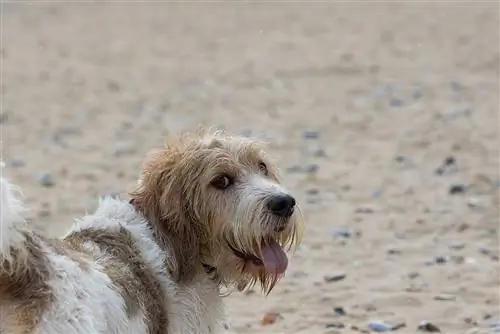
11, 220
86, 302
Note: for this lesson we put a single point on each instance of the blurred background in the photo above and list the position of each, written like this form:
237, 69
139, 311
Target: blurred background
382, 117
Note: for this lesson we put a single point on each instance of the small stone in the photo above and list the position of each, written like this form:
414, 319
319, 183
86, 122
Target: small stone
393, 251
364, 210
342, 232
377, 193
400, 159
449, 161
462, 227
310, 134
474, 202
313, 191
445, 298
16, 163
339, 311
441, 259
457, 246
337, 325
487, 316
46, 179
270, 318
470, 321
312, 168
456, 189
439, 171
413, 275
319, 153
334, 278
456, 87
395, 102
429, 327
459, 259
379, 326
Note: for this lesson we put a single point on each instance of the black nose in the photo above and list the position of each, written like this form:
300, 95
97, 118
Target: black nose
281, 205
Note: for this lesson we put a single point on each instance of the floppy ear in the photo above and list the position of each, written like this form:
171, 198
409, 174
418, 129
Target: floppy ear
163, 196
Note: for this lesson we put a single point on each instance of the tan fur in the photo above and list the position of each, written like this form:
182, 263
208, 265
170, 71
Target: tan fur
192, 220
24, 293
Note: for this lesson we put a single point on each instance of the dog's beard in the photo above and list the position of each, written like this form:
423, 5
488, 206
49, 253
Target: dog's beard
260, 240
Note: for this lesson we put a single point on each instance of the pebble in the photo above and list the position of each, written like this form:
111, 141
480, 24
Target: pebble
339, 310
310, 134
334, 278
364, 210
312, 168
313, 191
342, 232
474, 202
269, 318
440, 260
456, 189
445, 298
319, 153
45, 179
338, 325
395, 102
429, 327
16, 163
457, 246
379, 326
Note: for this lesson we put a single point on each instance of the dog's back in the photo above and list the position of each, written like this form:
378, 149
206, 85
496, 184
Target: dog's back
51, 286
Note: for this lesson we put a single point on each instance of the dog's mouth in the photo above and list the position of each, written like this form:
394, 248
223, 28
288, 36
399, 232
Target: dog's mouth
272, 258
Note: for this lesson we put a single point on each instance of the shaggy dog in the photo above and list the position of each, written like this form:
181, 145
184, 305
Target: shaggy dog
208, 214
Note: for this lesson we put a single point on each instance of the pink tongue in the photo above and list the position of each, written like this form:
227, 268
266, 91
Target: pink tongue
274, 258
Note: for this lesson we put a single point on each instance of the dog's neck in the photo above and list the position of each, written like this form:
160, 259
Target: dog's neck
209, 270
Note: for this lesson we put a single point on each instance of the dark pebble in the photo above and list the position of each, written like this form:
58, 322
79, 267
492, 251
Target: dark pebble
456, 189
440, 260
456, 87
319, 153
400, 158
396, 102
337, 325
46, 179
17, 163
339, 311
487, 316
439, 171
313, 191
311, 134
312, 168
470, 321
429, 327
342, 232
334, 278
449, 161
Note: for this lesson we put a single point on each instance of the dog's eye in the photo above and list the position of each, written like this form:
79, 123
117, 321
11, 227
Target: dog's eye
222, 182
263, 168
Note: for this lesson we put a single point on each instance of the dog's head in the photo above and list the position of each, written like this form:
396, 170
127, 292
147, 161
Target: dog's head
216, 200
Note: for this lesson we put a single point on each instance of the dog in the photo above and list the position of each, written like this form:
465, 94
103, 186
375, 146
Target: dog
207, 217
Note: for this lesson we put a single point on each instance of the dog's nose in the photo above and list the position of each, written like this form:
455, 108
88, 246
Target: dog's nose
281, 205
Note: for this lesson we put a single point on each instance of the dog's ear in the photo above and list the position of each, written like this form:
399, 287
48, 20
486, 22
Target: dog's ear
163, 196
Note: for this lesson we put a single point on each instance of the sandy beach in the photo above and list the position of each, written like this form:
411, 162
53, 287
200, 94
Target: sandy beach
383, 118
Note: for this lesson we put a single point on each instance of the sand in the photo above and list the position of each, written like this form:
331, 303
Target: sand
361, 105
